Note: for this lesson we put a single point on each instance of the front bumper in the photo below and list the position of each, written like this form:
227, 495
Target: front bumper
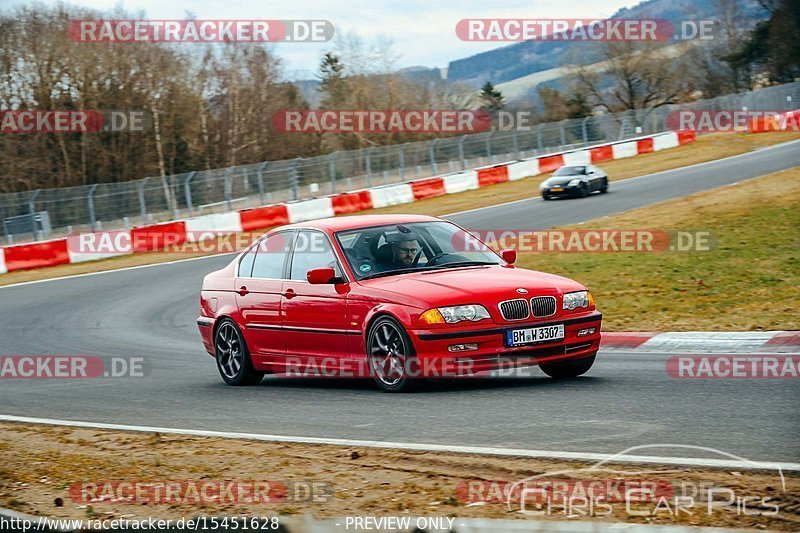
561, 191
432, 345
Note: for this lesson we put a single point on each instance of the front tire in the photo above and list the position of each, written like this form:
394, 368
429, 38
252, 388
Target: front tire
604, 186
584, 190
390, 354
568, 369
233, 357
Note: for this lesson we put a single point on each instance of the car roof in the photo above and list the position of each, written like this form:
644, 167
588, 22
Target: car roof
359, 221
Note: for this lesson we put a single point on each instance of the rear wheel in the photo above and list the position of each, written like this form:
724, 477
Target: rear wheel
390, 355
233, 357
568, 369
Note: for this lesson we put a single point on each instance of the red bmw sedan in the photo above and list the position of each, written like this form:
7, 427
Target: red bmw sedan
394, 297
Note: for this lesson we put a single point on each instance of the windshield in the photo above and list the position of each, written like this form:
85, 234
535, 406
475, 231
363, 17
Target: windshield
398, 248
569, 171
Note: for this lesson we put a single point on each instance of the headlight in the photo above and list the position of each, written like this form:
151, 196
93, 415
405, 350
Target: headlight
543, 186
573, 183
574, 300
455, 314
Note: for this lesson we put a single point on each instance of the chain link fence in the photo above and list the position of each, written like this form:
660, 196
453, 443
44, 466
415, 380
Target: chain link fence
154, 199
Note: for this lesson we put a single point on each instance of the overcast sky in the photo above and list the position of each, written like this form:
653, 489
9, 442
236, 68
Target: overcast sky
423, 32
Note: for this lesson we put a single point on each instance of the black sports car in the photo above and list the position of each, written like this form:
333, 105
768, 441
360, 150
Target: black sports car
572, 181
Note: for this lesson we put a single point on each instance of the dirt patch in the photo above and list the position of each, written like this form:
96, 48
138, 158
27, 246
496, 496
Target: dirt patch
42, 463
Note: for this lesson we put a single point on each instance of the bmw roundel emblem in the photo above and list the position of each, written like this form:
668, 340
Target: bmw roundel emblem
522, 291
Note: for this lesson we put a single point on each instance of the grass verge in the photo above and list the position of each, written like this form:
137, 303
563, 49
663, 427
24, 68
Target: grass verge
748, 280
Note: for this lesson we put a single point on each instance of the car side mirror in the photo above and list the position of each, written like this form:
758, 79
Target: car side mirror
509, 255
322, 276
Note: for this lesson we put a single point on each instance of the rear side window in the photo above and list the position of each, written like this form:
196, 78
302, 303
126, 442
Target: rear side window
246, 264
271, 256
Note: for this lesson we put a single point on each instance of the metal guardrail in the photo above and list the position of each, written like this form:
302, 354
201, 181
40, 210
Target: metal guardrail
119, 205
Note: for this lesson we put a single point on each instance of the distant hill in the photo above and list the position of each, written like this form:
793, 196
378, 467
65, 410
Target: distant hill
529, 57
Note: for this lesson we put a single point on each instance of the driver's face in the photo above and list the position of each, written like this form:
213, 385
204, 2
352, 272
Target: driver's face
405, 252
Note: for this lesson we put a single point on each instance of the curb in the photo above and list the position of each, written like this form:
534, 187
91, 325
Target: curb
703, 341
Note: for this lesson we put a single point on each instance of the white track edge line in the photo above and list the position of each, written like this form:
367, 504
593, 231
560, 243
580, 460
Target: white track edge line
481, 450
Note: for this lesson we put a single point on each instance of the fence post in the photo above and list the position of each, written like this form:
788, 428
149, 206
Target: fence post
228, 188
402, 162
332, 170
142, 205
585, 130
293, 177
260, 176
432, 155
563, 133
90, 206
32, 209
539, 137
515, 142
461, 152
489, 146
368, 165
187, 188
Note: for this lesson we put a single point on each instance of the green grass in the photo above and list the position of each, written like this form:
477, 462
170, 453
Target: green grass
749, 280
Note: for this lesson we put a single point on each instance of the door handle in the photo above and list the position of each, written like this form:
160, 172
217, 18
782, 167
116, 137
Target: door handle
243, 291
289, 294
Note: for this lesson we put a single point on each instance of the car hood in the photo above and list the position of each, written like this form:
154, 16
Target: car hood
562, 180
483, 285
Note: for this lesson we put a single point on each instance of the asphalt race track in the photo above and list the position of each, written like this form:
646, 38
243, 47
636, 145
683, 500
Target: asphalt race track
626, 400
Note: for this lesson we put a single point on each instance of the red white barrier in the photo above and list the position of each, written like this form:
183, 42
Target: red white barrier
392, 195
264, 217
461, 182
579, 158
310, 210
665, 141
160, 236
36, 255
209, 226
626, 149
429, 188
99, 245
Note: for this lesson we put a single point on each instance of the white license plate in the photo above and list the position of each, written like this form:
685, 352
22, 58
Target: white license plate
516, 337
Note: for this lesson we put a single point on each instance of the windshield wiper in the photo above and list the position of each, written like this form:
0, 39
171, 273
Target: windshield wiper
427, 268
393, 272
464, 263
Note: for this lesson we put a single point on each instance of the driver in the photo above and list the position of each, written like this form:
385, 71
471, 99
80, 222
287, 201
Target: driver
404, 253
400, 251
